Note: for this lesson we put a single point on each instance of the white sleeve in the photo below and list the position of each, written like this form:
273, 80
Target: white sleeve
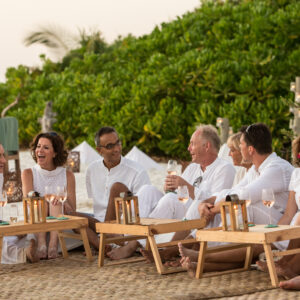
223, 179
272, 177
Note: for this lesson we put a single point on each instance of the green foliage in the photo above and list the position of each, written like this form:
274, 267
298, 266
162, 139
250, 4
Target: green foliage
233, 59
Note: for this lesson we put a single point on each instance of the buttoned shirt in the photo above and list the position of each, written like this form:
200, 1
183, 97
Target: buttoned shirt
99, 181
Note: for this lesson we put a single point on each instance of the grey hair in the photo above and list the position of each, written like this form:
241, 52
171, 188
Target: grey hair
210, 133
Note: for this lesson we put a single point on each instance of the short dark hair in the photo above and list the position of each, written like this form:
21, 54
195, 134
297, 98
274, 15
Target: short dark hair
259, 136
102, 131
57, 144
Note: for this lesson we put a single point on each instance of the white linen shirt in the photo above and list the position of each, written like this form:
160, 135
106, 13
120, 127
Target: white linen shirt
99, 181
217, 176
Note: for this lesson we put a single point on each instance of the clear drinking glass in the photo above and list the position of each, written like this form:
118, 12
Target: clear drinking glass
49, 194
183, 195
268, 200
3, 201
62, 197
171, 170
13, 213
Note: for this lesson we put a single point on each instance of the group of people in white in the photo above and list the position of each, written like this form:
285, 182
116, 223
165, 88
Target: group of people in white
209, 179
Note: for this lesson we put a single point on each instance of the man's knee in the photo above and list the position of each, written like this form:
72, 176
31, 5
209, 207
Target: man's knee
118, 188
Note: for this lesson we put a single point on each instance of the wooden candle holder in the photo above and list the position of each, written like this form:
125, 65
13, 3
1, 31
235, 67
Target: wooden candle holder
233, 209
123, 205
34, 210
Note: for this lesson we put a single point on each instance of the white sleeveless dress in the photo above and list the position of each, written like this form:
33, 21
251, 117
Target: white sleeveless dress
42, 178
13, 250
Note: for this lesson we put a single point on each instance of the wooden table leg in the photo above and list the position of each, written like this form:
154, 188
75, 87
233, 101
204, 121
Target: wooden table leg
201, 259
271, 264
63, 244
101, 250
249, 256
86, 244
159, 266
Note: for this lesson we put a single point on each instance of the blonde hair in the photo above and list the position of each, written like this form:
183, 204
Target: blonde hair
234, 140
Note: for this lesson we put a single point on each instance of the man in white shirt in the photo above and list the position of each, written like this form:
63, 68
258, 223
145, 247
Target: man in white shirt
206, 175
107, 177
268, 171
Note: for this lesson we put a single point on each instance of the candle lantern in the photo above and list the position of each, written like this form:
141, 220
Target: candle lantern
12, 187
34, 210
128, 206
73, 161
234, 206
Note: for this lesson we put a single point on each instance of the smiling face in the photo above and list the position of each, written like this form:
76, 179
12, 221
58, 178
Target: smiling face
44, 153
197, 147
2, 159
111, 157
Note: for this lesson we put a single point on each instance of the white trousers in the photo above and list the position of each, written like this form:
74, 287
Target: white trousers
166, 206
13, 250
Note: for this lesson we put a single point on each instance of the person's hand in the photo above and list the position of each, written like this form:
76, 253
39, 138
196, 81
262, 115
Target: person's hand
204, 210
172, 182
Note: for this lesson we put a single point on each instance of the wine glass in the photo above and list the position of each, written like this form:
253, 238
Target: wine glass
183, 195
3, 201
62, 197
268, 200
172, 167
49, 196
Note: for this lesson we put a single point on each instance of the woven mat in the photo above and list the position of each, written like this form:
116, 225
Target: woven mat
74, 279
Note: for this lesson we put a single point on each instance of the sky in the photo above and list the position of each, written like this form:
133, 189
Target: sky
111, 17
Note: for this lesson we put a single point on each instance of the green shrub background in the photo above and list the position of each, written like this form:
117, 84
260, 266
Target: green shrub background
234, 59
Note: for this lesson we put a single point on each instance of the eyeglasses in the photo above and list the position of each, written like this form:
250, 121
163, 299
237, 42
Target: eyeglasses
197, 181
52, 133
111, 145
248, 128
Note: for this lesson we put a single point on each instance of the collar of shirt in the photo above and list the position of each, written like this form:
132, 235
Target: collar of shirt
209, 167
266, 162
114, 168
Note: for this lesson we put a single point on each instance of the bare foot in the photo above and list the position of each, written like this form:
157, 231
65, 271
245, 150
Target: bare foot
42, 252
31, 252
172, 263
189, 266
52, 252
282, 271
292, 284
185, 252
123, 252
147, 255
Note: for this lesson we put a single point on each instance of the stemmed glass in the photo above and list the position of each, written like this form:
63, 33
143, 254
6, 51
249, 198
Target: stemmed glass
245, 195
183, 195
171, 169
13, 213
62, 197
49, 196
3, 201
268, 200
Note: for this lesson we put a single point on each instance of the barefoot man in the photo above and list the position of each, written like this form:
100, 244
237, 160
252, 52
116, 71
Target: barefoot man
268, 171
106, 178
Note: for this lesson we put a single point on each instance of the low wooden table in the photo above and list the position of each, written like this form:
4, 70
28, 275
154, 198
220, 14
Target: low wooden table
256, 235
73, 222
146, 230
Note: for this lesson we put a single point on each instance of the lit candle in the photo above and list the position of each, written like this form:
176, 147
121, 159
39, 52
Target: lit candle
128, 211
35, 212
10, 190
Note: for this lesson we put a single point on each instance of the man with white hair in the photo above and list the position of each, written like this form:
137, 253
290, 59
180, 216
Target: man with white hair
206, 175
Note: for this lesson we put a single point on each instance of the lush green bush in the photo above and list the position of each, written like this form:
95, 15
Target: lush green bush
233, 59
